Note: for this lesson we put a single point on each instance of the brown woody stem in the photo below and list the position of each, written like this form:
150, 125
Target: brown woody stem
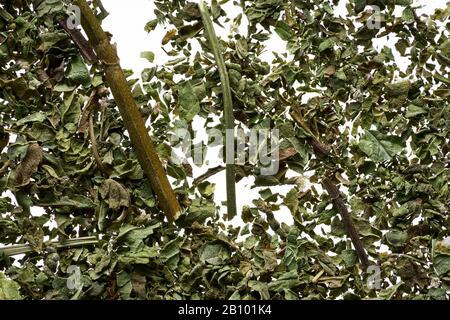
80, 42
133, 122
350, 228
206, 175
322, 151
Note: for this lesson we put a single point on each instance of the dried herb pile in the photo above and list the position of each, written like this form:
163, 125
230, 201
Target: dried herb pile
362, 135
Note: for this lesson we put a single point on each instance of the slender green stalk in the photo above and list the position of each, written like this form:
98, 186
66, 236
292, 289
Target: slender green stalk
230, 170
69, 243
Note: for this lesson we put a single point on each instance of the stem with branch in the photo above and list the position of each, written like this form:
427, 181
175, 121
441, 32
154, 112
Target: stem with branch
230, 170
115, 78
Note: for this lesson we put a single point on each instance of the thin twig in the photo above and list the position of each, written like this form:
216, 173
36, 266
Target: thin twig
322, 151
207, 175
80, 42
67, 243
94, 149
83, 124
338, 202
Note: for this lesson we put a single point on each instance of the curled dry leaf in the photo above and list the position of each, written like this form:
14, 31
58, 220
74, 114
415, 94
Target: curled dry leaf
114, 194
169, 36
29, 165
287, 153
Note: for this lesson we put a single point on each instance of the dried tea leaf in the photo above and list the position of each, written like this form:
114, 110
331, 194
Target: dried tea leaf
29, 164
114, 194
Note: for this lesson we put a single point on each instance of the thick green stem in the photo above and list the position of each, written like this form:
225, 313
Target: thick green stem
230, 170
132, 119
